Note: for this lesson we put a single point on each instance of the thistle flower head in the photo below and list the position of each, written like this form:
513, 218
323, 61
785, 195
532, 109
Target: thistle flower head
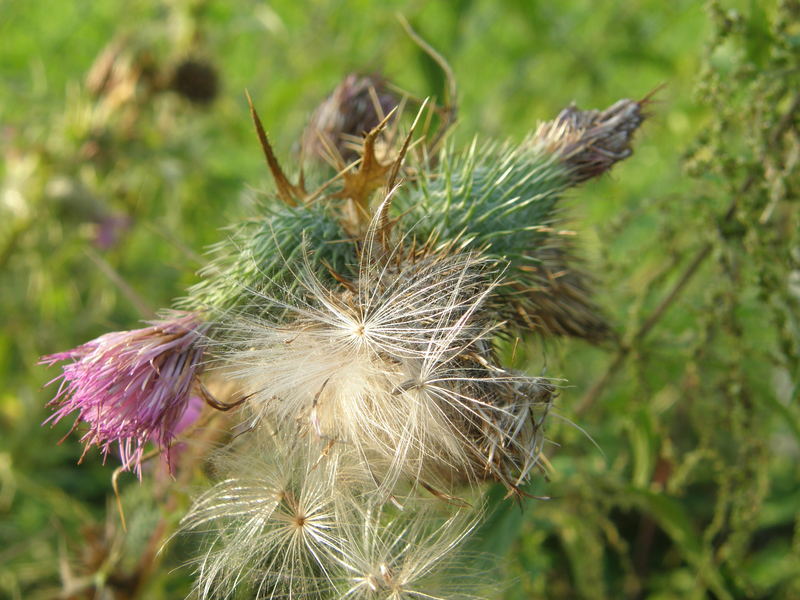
260, 254
132, 387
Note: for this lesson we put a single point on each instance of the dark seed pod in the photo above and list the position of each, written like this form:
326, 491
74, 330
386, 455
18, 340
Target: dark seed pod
196, 80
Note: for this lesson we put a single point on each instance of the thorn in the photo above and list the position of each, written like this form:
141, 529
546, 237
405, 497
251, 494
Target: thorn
385, 224
371, 174
449, 112
368, 160
454, 500
287, 191
649, 97
401, 156
212, 401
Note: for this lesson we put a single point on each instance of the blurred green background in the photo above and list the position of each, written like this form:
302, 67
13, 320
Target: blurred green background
682, 476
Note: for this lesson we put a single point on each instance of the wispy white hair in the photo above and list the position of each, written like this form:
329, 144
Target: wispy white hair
404, 555
270, 523
397, 364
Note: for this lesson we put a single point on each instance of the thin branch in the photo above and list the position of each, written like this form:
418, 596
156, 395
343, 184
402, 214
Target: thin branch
688, 274
450, 108
120, 282
786, 120
170, 238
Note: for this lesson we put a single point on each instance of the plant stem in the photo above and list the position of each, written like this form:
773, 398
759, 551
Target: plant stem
624, 349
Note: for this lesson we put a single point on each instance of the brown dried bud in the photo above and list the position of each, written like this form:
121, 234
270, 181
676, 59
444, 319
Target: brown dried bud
124, 67
590, 142
353, 109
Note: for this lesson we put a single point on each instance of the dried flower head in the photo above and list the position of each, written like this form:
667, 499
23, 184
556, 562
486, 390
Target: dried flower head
289, 520
132, 387
591, 141
125, 68
354, 108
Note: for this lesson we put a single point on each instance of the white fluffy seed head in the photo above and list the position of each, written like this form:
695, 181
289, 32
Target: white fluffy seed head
292, 521
403, 555
400, 371
398, 365
271, 521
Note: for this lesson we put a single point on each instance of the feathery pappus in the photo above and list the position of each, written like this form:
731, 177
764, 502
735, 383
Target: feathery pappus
399, 365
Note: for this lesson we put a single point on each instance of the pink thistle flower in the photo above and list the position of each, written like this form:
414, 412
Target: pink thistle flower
132, 387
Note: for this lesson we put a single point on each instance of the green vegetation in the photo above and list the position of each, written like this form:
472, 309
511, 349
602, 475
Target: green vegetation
682, 476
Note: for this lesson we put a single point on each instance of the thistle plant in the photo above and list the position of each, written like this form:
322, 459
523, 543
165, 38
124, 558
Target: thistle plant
358, 322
